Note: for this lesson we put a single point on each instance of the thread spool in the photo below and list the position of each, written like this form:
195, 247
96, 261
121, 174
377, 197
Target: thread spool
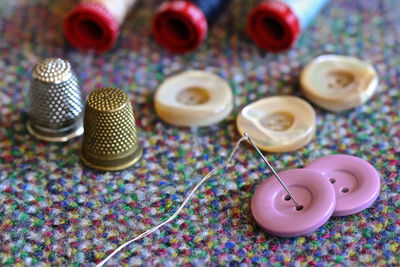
181, 26
275, 25
94, 24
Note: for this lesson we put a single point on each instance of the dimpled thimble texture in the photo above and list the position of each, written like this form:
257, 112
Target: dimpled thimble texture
55, 102
110, 141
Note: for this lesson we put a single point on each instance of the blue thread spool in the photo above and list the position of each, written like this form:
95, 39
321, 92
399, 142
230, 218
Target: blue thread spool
276, 25
181, 26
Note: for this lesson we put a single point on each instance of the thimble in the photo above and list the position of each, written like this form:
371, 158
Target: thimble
55, 102
110, 141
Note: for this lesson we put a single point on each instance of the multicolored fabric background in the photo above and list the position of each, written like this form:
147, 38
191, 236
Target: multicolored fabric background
55, 211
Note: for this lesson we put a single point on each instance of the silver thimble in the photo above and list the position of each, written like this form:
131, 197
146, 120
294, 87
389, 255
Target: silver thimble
55, 102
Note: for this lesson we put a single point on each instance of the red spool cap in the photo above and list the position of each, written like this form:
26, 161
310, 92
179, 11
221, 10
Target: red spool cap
91, 26
273, 26
179, 26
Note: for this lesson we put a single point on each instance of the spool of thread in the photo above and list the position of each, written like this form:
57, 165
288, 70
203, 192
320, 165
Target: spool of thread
275, 25
181, 26
94, 24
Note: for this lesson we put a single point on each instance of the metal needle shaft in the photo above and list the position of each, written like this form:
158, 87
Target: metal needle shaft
272, 169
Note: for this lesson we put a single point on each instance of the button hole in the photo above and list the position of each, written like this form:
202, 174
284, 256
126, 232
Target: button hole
332, 180
287, 198
299, 207
345, 190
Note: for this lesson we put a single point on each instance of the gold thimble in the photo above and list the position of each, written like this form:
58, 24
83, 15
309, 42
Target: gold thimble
110, 141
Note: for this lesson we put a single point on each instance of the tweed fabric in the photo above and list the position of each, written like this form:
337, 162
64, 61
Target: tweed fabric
55, 211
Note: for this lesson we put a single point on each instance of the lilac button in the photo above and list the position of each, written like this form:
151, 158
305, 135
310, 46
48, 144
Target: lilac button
275, 211
356, 182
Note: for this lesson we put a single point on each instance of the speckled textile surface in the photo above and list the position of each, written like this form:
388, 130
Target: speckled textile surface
54, 211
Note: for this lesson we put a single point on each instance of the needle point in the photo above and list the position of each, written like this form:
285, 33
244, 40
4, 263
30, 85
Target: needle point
272, 170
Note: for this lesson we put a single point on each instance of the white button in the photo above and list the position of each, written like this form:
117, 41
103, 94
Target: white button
338, 83
278, 123
194, 98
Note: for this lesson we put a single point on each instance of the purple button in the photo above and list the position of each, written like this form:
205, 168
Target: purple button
275, 211
356, 182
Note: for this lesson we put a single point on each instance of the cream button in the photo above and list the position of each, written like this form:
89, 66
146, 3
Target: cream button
194, 98
278, 123
338, 83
